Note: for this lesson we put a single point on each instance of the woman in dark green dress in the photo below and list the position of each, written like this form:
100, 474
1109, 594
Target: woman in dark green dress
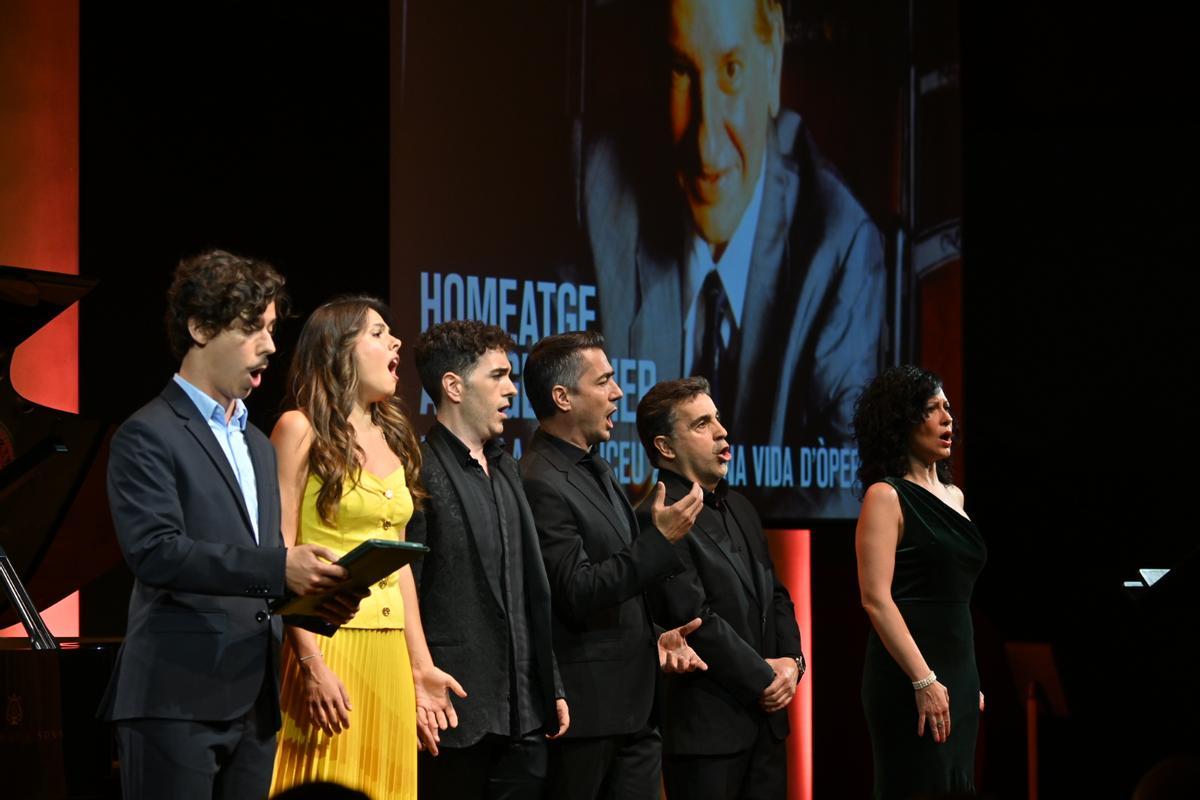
918, 557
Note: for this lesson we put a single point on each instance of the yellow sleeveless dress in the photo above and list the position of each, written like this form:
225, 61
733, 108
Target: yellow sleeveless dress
377, 754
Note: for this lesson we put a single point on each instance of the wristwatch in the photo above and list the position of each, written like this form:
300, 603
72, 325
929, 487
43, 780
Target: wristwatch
800, 666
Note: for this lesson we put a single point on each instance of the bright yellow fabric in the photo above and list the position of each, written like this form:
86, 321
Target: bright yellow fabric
378, 508
377, 754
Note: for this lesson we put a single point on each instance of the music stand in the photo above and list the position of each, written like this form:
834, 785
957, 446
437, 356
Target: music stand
1036, 677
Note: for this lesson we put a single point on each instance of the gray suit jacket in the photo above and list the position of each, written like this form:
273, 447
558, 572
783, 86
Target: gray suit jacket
199, 642
813, 320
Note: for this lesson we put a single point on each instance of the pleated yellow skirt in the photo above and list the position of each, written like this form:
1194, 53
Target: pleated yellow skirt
378, 753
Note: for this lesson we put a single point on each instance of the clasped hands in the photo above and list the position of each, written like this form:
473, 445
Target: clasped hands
675, 655
782, 688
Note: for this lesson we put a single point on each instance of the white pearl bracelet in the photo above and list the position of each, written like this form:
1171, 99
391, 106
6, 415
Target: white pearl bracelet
928, 680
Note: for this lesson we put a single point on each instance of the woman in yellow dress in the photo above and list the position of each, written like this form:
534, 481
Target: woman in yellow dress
349, 465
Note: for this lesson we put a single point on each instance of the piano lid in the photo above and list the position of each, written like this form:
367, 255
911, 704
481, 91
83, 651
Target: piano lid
31, 298
54, 520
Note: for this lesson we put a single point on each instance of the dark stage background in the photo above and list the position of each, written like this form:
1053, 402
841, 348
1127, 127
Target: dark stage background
264, 129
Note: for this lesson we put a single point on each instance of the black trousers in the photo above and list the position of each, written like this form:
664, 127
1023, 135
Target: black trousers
759, 773
495, 768
607, 768
188, 760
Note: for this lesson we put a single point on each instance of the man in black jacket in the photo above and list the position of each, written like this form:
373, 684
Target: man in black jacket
485, 601
599, 566
724, 729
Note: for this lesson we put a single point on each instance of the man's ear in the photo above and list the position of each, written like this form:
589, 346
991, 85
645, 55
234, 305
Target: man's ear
561, 397
453, 387
199, 335
663, 445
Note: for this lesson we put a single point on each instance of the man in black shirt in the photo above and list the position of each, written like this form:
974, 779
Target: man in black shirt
485, 600
724, 729
599, 566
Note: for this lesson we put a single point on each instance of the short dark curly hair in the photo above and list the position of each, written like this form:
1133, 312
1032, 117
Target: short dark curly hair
455, 346
556, 361
887, 411
218, 289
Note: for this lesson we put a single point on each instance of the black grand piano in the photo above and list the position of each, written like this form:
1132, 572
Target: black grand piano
55, 537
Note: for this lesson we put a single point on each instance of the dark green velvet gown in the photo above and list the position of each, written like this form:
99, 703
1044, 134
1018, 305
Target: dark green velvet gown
937, 562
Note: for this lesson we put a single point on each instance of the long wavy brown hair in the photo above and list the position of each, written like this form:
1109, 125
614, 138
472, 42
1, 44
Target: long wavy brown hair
322, 384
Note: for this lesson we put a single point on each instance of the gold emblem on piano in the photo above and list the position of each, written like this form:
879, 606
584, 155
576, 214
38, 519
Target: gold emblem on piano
14, 715
7, 451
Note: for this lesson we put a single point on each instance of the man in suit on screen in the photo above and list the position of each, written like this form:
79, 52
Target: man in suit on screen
733, 249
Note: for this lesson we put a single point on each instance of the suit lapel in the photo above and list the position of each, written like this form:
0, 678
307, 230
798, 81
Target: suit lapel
708, 523
578, 479
476, 522
763, 589
536, 582
198, 428
587, 486
659, 315
262, 480
630, 516
764, 290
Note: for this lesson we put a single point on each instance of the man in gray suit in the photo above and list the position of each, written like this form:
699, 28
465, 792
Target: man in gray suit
195, 503
753, 248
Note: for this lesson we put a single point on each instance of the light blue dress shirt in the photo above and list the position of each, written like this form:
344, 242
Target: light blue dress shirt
232, 439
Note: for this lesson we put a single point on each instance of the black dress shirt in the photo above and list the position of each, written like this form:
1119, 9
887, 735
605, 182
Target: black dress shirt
491, 492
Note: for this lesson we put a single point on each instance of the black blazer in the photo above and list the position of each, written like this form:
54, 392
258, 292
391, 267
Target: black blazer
199, 641
747, 617
461, 606
603, 635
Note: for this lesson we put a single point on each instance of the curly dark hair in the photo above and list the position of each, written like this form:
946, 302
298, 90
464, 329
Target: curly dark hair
218, 289
556, 361
656, 411
322, 383
455, 346
886, 413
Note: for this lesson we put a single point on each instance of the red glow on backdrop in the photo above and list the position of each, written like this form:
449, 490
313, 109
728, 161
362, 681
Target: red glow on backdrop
941, 345
790, 551
39, 200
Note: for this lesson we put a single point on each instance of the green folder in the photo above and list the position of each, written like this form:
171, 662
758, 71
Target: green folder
367, 564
